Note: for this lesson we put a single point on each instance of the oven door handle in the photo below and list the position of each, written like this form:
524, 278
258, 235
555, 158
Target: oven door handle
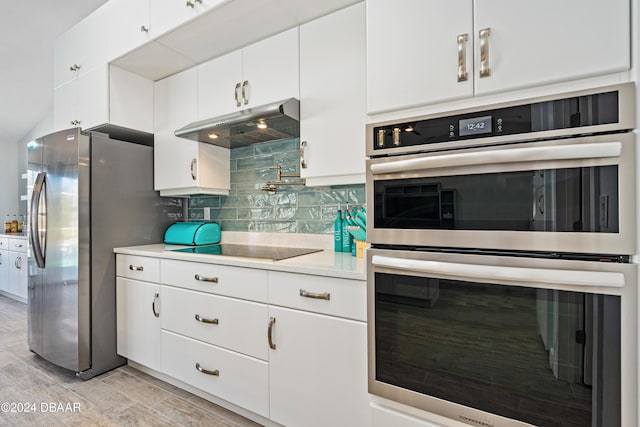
503, 155
500, 274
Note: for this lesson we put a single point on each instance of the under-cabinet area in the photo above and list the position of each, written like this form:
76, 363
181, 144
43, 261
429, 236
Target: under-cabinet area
280, 346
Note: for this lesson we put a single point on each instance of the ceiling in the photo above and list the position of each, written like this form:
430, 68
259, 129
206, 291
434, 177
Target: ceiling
27, 32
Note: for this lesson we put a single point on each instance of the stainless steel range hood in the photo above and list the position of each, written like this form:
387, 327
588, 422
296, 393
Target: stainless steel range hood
271, 122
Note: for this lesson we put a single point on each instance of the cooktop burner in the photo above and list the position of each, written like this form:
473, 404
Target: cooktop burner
274, 253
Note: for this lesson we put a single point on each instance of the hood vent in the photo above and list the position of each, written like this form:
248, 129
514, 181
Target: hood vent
271, 122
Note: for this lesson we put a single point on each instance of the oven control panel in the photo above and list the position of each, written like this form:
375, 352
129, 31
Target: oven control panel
525, 119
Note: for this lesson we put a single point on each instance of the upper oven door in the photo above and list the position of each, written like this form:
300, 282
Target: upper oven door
569, 195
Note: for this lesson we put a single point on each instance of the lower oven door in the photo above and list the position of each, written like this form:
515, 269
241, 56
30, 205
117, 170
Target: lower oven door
504, 341
569, 195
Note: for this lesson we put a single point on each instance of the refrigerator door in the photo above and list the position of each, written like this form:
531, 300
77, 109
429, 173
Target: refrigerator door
64, 306
35, 277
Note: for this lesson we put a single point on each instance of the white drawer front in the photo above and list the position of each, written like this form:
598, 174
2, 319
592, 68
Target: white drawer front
241, 380
327, 295
18, 245
230, 323
138, 267
245, 283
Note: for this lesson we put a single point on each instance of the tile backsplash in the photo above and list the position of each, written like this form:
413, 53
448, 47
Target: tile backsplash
292, 209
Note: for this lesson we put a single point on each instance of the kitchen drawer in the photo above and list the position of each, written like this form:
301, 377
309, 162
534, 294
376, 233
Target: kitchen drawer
346, 298
245, 283
138, 267
4, 243
241, 325
18, 245
241, 380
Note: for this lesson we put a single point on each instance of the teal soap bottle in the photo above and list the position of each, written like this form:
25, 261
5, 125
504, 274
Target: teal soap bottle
338, 229
347, 238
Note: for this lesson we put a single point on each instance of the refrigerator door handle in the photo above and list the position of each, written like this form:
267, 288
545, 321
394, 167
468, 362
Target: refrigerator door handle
34, 229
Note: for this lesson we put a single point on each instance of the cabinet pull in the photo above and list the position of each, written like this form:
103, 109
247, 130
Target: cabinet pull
236, 95
207, 371
194, 169
144, 29
205, 320
18, 245
272, 321
153, 305
306, 294
206, 279
74, 67
244, 91
303, 162
136, 267
462, 57
485, 70
190, 4
75, 122
18, 263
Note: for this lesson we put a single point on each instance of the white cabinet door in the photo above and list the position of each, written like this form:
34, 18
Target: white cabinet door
271, 69
18, 275
65, 105
558, 41
318, 370
333, 91
129, 25
130, 100
412, 52
166, 15
183, 166
217, 80
4, 270
93, 98
138, 327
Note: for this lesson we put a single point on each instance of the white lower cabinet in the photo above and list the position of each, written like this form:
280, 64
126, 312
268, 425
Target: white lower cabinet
236, 378
317, 370
14, 270
291, 348
138, 322
4, 270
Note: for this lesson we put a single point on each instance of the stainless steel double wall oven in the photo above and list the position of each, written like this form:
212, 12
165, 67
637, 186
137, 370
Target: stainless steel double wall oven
501, 291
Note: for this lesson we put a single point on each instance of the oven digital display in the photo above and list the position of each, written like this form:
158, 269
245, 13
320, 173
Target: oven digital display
475, 126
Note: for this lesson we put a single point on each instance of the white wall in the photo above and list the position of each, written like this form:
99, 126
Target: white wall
8, 179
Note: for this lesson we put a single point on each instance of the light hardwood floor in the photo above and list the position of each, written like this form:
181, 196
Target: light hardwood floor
55, 397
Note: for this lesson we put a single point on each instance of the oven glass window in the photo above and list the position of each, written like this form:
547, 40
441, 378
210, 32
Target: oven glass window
542, 356
556, 200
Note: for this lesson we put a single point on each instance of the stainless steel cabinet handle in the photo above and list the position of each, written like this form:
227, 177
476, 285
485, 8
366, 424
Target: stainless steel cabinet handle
194, 169
18, 245
144, 29
485, 70
303, 162
153, 305
236, 94
18, 263
272, 321
205, 320
462, 57
136, 267
75, 122
207, 371
74, 67
206, 279
190, 3
244, 92
306, 294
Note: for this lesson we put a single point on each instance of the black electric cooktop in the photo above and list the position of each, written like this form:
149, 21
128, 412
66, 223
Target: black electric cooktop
274, 253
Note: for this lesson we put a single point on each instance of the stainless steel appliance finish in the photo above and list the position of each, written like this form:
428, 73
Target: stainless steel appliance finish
273, 253
498, 340
91, 194
501, 290
271, 122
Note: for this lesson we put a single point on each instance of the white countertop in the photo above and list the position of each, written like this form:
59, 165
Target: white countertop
14, 235
324, 263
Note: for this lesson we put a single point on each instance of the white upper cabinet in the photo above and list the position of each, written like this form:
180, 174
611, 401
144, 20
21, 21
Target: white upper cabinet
130, 25
420, 52
532, 43
182, 166
264, 72
333, 98
106, 94
166, 15
412, 52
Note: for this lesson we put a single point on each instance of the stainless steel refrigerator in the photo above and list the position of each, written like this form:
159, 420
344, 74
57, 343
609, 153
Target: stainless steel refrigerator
90, 194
